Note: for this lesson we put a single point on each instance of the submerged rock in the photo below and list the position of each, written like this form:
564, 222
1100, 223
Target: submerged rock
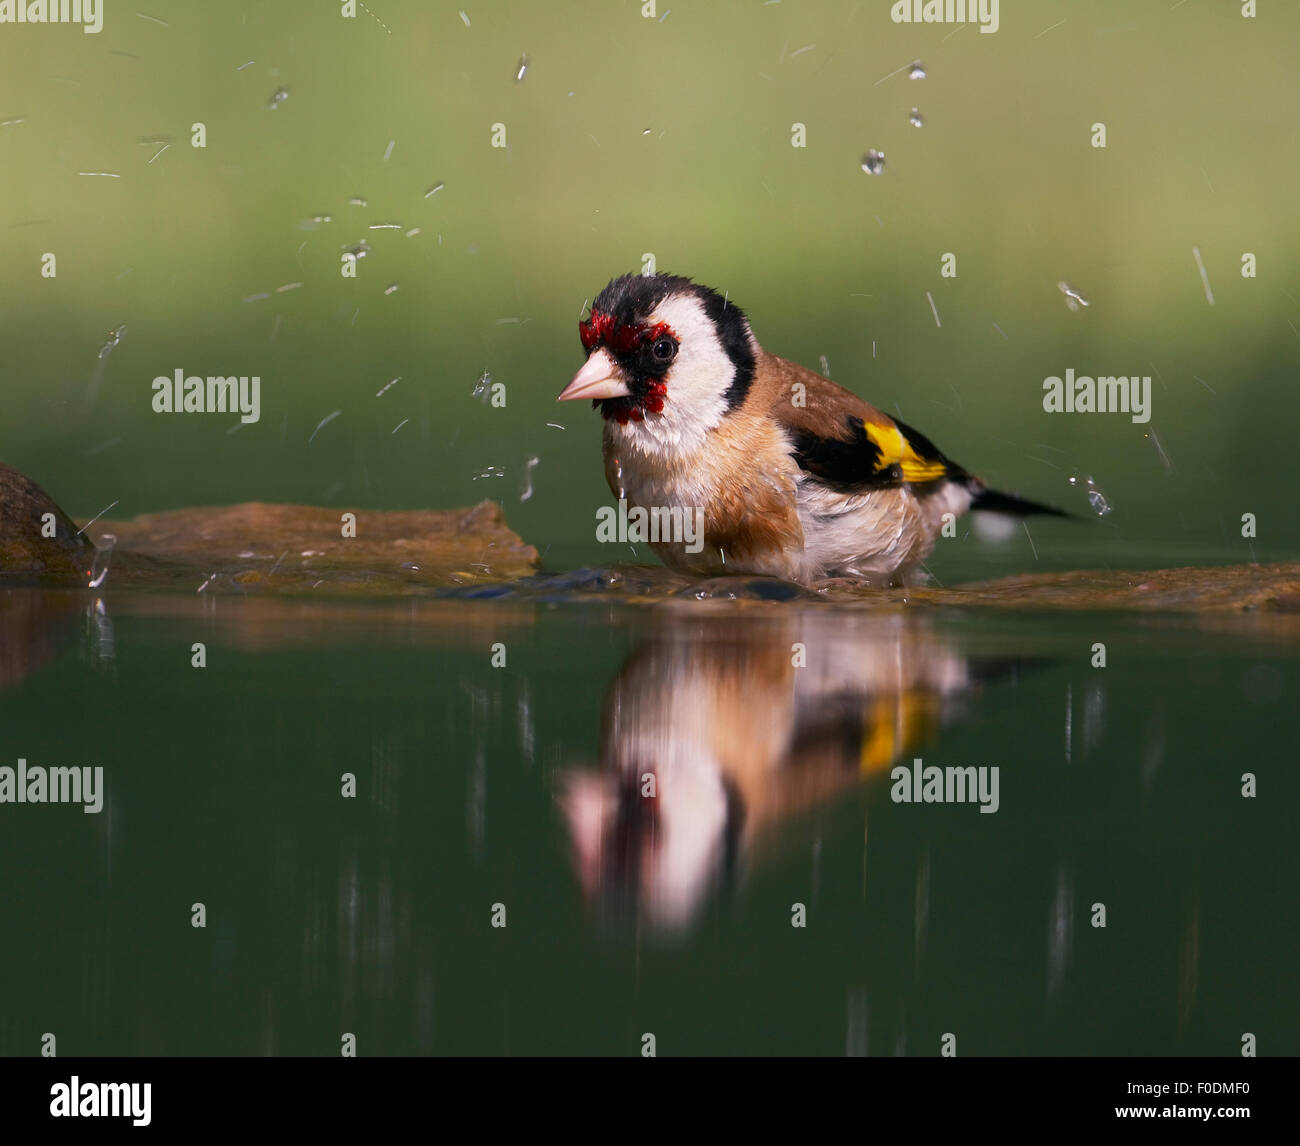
39, 543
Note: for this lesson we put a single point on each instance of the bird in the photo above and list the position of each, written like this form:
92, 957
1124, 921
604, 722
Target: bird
792, 475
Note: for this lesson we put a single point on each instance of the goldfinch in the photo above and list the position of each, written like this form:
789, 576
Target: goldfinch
796, 477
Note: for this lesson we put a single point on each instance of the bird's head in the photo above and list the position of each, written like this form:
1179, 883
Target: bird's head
666, 358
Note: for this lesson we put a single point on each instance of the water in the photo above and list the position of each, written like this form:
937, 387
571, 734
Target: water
477, 786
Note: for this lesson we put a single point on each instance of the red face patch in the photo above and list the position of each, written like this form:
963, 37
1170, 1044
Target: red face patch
649, 391
602, 328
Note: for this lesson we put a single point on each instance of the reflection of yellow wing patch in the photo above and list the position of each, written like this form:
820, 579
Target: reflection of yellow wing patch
895, 450
894, 725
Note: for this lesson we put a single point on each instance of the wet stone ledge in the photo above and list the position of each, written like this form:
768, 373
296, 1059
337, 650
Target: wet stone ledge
259, 548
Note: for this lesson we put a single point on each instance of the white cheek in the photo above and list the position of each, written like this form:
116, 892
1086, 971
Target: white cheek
697, 383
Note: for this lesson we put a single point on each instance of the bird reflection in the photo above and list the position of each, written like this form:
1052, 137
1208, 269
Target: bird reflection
717, 731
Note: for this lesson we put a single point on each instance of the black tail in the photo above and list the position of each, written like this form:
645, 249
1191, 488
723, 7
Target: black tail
1009, 503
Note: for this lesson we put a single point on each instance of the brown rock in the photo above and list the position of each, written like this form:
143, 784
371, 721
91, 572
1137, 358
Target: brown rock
256, 547
27, 557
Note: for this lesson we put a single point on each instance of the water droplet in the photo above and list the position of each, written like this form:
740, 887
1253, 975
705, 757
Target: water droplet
360, 251
278, 97
1073, 299
482, 386
826, 367
526, 486
490, 472
521, 69
429, 194
388, 386
916, 71
325, 421
618, 477
915, 119
873, 163
1096, 497
103, 555
358, 201
114, 338
390, 288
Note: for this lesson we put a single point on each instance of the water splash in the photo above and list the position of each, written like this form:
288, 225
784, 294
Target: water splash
1073, 299
1096, 497
526, 485
1161, 452
325, 421
916, 71
114, 339
873, 163
103, 555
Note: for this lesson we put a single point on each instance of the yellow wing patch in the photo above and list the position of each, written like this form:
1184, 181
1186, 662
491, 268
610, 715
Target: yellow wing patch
896, 450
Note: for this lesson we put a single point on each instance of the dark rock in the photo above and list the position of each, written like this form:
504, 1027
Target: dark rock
27, 555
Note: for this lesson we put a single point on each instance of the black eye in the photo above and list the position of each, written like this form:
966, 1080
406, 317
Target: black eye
664, 349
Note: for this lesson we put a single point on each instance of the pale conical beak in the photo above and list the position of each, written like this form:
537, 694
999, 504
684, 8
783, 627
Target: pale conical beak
599, 377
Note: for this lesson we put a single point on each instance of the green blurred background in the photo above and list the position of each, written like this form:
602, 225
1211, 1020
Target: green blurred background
669, 135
